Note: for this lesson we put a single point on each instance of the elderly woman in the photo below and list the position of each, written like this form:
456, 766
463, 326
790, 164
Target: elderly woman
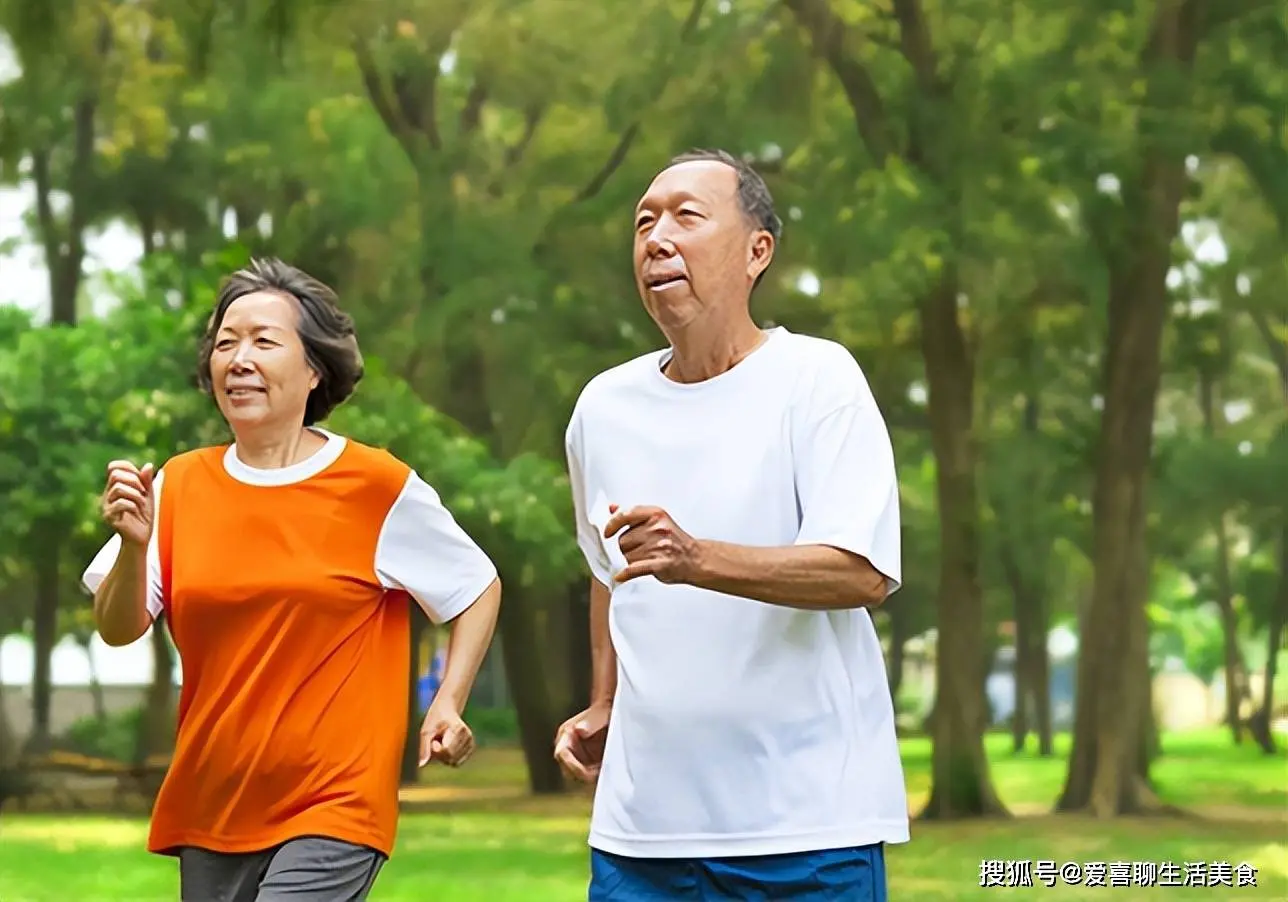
282, 563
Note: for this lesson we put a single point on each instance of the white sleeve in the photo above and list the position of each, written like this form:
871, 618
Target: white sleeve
847, 485
105, 560
424, 552
588, 535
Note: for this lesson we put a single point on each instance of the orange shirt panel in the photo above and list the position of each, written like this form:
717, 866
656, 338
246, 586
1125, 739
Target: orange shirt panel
293, 711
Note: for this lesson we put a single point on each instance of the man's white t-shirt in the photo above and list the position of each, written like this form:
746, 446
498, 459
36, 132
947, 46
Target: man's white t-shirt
740, 727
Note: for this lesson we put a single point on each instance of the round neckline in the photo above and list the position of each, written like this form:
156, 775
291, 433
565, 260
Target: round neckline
771, 335
311, 466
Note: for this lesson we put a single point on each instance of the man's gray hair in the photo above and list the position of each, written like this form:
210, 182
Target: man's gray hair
753, 194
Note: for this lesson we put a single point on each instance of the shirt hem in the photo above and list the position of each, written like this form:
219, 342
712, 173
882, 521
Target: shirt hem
891, 832
171, 843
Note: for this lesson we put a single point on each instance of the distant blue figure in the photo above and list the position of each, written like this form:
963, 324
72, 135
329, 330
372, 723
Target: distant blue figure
427, 685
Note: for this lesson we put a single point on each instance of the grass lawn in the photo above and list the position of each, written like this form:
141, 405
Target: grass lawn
473, 835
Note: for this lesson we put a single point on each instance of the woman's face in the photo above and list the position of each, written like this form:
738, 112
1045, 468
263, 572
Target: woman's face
258, 370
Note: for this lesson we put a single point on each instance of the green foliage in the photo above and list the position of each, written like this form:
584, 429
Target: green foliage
520, 513
113, 737
71, 399
493, 726
464, 175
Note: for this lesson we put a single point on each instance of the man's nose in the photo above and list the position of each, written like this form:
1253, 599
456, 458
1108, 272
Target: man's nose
658, 243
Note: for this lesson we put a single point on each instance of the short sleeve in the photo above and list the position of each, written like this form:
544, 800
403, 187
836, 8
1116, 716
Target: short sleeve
105, 560
423, 551
846, 481
588, 535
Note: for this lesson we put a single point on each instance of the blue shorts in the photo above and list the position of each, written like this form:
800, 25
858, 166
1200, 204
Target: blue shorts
851, 875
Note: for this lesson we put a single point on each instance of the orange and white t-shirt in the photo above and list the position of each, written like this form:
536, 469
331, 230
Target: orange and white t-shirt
285, 591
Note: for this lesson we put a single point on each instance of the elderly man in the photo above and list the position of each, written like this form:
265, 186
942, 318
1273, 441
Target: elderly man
737, 504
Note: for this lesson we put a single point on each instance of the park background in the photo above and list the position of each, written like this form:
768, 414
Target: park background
1054, 235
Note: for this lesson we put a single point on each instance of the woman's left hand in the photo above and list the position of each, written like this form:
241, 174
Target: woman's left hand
444, 736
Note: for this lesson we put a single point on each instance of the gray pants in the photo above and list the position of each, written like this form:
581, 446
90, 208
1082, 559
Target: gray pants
308, 869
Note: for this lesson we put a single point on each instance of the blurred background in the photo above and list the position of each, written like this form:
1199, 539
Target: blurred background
1054, 235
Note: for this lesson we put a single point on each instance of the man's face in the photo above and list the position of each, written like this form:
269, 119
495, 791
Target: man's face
695, 251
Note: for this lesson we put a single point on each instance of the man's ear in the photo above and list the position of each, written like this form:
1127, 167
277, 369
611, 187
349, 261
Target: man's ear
760, 253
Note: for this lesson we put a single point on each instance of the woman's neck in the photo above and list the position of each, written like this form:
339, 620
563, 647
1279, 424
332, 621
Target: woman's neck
268, 449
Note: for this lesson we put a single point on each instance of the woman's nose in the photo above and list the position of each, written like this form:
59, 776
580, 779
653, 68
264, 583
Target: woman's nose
242, 358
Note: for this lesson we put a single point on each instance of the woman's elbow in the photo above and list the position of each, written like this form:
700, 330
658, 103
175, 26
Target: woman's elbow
115, 637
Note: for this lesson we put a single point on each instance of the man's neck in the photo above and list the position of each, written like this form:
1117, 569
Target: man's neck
699, 354
272, 449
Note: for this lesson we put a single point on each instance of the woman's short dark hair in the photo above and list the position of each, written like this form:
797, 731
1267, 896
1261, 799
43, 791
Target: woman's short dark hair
326, 331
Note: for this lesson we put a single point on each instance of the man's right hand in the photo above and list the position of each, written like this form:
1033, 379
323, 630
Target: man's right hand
127, 501
579, 742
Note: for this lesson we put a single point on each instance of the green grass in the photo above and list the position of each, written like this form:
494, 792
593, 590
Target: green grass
463, 849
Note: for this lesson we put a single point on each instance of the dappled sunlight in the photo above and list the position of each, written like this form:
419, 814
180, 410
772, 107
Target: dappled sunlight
67, 834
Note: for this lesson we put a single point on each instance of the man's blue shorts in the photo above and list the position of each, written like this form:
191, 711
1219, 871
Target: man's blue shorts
848, 875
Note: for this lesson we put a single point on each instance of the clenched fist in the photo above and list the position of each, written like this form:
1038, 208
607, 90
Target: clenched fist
444, 736
127, 501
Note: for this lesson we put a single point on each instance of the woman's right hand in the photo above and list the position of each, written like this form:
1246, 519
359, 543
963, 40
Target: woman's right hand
127, 501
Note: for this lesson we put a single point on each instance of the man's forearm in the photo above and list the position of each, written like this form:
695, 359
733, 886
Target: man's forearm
471, 635
603, 684
812, 577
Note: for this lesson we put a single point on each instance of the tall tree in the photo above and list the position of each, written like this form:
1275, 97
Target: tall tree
1133, 225
915, 124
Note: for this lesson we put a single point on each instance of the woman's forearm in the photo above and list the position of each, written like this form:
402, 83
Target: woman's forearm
471, 635
121, 602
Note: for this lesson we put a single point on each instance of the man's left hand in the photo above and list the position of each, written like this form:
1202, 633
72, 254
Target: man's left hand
444, 736
653, 545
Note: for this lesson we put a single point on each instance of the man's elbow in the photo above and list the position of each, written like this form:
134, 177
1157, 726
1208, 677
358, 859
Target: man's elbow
866, 588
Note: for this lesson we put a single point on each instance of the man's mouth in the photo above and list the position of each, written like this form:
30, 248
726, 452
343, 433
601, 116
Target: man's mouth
665, 281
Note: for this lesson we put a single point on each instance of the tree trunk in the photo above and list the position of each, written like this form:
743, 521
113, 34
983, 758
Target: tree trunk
898, 615
157, 725
961, 784
64, 245
580, 663
1023, 666
1041, 683
8, 739
1260, 725
95, 685
45, 621
1235, 670
1104, 767
1234, 666
521, 652
1025, 550
410, 772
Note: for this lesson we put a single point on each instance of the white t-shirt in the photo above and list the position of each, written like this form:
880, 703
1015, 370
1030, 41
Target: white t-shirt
422, 550
740, 727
